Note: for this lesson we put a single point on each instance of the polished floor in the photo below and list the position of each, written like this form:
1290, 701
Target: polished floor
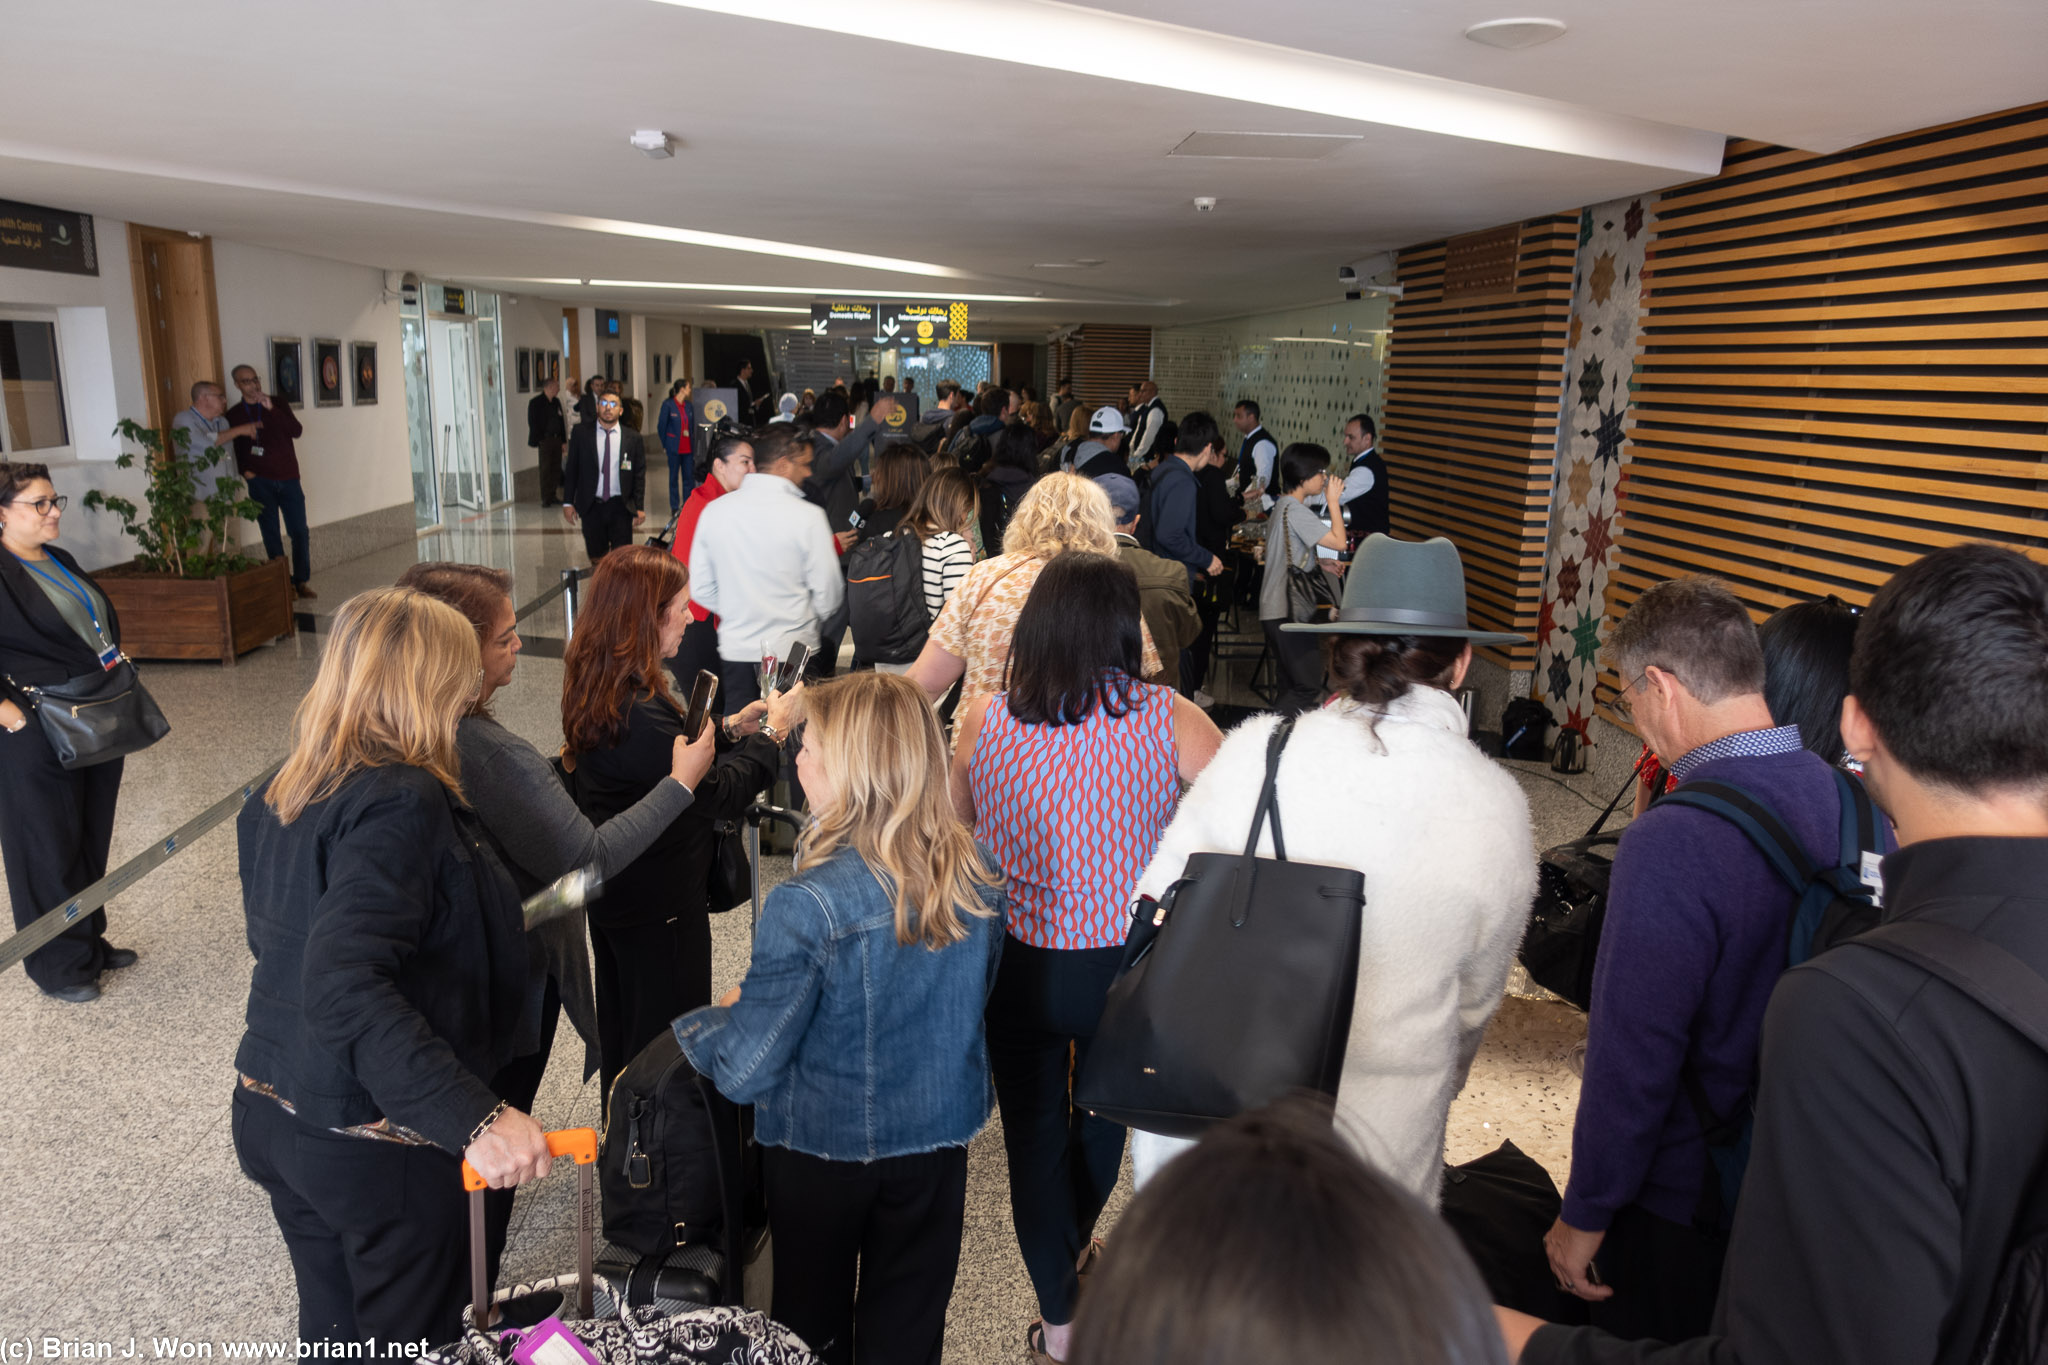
124, 1213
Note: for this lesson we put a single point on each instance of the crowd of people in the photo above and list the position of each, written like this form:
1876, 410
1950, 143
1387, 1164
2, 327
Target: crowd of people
1827, 1154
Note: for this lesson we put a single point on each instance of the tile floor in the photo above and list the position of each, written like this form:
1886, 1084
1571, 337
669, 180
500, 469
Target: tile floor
122, 1208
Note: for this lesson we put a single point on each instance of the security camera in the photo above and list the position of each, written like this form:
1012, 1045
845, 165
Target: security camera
1346, 276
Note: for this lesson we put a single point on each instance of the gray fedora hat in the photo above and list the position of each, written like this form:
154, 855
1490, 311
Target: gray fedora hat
1406, 587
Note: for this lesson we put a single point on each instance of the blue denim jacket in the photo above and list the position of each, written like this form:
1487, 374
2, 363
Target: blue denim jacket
849, 1045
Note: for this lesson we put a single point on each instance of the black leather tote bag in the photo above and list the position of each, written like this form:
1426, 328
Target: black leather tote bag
98, 717
1235, 989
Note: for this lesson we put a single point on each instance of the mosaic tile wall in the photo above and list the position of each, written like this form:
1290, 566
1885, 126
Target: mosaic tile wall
1592, 453
1308, 368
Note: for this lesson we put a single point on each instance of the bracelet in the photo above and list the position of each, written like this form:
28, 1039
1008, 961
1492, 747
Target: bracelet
476, 1134
774, 737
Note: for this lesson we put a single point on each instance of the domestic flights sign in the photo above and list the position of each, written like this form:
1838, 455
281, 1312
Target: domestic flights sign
891, 323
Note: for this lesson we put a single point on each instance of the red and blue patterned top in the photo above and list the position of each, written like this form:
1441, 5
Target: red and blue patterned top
1074, 813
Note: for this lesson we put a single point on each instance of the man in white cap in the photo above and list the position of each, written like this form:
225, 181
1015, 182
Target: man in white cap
1102, 452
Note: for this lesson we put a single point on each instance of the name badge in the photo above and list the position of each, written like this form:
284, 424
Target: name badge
255, 452
110, 656
1872, 874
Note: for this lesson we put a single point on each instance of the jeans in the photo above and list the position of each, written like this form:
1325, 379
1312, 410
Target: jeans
289, 497
681, 479
866, 1251
1063, 1160
378, 1232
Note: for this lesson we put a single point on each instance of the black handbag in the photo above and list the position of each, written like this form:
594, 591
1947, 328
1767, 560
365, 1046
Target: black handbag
1500, 1205
97, 717
1235, 988
731, 883
1563, 937
1311, 593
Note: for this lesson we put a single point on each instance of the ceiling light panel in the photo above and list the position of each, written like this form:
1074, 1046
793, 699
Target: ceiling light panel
827, 291
1265, 146
1121, 47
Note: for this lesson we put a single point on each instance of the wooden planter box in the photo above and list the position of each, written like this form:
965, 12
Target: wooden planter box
205, 618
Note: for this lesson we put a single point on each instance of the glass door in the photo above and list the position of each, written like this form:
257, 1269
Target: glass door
458, 438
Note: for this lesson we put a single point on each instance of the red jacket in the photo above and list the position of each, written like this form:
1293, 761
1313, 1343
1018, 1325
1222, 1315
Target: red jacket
686, 532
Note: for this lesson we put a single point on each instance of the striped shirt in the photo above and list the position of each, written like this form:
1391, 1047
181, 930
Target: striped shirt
1074, 813
947, 558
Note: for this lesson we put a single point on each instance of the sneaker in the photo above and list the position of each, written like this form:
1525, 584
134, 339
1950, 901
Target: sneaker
1202, 699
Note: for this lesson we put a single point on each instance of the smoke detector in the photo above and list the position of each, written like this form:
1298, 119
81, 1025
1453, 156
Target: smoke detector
1205, 203
655, 143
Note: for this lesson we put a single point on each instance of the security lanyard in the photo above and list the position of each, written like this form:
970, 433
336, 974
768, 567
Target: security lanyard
109, 652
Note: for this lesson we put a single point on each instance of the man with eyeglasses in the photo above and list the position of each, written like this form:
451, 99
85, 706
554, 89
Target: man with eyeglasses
205, 427
1695, 938
269, 463
603, 480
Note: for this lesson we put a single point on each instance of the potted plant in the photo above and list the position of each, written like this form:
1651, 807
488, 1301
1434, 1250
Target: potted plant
189, 593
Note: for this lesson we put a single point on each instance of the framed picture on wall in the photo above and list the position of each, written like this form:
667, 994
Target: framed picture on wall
362, 365
327, 376
554, 365
287, 371
525, 370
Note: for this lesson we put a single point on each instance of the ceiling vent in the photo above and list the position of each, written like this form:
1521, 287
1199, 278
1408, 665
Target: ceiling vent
1265, 146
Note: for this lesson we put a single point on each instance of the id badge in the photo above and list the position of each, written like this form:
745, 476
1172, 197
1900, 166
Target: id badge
110, 656
255, 451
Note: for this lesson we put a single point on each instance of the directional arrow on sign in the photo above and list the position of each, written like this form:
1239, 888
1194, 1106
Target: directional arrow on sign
818, 326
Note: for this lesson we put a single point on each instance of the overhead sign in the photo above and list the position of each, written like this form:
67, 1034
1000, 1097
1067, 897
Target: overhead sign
891, 323
36, 238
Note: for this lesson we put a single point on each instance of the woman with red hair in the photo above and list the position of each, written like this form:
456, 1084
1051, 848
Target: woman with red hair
649, 932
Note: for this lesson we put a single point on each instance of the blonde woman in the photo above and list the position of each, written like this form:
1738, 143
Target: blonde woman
970, 640
943, 517
390, 980
857, 1034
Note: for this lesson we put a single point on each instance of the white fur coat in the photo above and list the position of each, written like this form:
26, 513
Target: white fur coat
1442, 835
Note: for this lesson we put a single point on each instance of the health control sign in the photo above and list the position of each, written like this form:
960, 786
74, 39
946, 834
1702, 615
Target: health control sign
908, 325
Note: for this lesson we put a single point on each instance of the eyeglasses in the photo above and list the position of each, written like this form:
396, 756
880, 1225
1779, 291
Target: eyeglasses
43, 506
1621, 705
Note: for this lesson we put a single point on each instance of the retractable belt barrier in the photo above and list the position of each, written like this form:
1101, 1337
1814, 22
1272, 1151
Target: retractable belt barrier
50, 924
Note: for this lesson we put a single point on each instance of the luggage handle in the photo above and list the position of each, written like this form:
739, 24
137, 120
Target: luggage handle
580, 1145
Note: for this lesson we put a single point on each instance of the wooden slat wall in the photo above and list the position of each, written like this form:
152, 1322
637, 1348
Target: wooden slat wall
1108, 360
1844, 365
1473, 388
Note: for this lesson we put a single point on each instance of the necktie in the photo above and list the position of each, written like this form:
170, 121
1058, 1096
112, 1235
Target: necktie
604, 468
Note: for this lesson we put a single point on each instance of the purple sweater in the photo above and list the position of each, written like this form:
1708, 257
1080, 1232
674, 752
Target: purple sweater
1693, 944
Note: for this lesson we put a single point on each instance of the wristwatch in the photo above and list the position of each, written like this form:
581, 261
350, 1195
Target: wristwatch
774, 736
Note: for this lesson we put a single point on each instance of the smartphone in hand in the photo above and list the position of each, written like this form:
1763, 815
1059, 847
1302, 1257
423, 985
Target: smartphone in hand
792, 670
701, 693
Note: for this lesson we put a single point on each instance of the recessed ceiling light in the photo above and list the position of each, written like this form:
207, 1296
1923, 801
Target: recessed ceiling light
1515, 34
1078, 263
826, 291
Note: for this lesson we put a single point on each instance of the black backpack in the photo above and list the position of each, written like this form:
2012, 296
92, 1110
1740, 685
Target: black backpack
675, 1167
885, 607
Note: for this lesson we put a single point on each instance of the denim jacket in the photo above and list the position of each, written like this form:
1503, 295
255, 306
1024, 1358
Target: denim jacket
849, 1045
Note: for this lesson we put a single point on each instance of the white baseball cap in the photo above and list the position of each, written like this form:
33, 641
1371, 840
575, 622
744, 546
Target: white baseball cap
1105, 421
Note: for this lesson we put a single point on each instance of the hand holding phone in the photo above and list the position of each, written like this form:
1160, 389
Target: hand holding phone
792, 670
701, 692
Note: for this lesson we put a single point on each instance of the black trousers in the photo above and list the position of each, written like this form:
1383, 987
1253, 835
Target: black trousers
1209, 607
1665, 1275
1063, 1160
1297, 669
550, 473
606, 526
518, 1083
286, 498
378, 1232
648, 973
866, 1252
55, 828
739, 683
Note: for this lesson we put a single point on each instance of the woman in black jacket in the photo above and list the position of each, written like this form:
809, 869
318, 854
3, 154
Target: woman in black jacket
55, 825
650, 931
390, 981
1011, 470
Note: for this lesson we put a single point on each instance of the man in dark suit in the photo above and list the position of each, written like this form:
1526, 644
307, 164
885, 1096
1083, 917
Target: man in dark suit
603, 479
546, 431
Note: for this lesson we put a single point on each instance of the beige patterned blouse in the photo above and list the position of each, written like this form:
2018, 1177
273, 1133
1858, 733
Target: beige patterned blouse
981, 615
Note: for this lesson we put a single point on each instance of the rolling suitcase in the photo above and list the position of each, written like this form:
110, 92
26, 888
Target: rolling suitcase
540, 1321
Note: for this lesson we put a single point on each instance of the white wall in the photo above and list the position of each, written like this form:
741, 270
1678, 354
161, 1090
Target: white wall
351, 459
102, 373
536, 325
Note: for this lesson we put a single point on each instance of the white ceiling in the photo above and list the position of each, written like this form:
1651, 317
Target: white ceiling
463, 139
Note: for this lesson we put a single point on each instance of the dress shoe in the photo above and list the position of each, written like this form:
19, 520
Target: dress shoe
83, 993
120, 957
304, 590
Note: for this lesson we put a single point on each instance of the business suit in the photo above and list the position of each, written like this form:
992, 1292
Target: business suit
546, 430
607, 522
55, 825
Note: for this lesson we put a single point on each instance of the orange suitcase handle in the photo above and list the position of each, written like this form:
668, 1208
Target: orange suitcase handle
579, 1143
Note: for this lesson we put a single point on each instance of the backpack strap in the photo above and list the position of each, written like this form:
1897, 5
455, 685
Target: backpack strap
1979, 968
1786, 855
